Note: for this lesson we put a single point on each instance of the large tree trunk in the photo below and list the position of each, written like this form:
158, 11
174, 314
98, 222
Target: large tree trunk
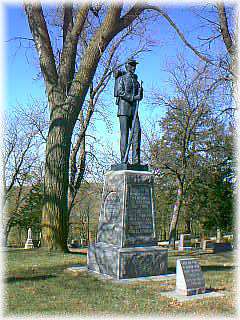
55, 208
187, 218
7, 230
175, 216
187, 225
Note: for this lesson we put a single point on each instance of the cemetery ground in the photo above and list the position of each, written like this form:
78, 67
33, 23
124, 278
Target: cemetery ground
36, 282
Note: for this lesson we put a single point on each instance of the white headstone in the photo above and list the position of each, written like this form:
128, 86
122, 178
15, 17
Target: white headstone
181, 242
29, 233
204, 245
218, 236
189, 277
184, 241
29, 242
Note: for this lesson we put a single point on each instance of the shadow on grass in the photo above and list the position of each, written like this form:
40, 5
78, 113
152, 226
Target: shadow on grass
217, 268
171, 270
209, 290
81, 253
31, 278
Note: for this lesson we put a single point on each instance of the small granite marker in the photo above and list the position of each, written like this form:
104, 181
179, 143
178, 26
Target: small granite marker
190, 282
189, 277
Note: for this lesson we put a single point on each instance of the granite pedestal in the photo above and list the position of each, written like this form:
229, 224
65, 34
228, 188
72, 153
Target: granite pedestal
126, 246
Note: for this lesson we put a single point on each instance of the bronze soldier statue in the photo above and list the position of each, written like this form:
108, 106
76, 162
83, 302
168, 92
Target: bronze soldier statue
128, 93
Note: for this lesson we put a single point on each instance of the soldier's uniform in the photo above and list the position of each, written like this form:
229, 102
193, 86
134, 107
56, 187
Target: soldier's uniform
127, 88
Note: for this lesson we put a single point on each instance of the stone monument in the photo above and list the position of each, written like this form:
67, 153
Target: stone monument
29, 242
189, 277
126, 245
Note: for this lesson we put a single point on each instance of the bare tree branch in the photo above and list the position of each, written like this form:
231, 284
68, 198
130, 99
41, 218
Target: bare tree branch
67, 19
20, 38
42, 41
181, 35
224, 28
19, 164
71, 37
130, 16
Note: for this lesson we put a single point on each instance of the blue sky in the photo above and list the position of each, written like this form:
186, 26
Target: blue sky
22, 67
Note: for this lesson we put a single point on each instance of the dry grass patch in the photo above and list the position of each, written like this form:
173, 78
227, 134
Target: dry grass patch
36, 283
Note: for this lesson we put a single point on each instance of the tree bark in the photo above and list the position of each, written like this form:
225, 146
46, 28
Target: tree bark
7, 230
55, 209
187, 220
187, 227
175, 216
225, 29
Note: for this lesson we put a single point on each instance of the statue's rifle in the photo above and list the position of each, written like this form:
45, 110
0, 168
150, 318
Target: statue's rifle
130, 138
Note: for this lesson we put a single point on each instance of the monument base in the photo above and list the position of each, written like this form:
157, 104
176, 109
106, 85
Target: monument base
124, 263
29, 244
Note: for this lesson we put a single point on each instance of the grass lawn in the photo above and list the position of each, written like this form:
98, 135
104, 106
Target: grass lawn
37, 284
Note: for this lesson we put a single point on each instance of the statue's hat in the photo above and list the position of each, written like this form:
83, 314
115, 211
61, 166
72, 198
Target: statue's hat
132, 61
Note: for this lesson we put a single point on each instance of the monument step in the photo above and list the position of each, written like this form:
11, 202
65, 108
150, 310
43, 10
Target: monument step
124, 263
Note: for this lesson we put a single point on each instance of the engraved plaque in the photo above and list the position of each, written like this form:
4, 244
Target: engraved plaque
140, 264
139, 220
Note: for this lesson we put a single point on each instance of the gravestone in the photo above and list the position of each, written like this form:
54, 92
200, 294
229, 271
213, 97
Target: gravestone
218, 238
204, 244
184, 242
126, 246
29, 242
189, 277
208, 244
221, 247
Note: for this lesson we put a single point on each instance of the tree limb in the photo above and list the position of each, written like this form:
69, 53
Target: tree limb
71, 37
181, 35
42, 41
67, 19
130, 16
224, 29
18, 166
